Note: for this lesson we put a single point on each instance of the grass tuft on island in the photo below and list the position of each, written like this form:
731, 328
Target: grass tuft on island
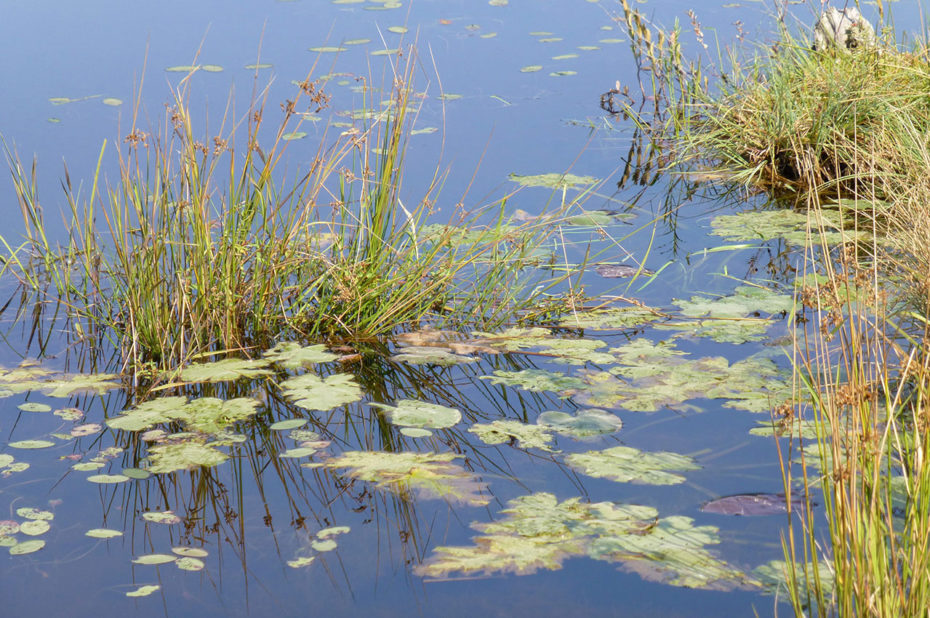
205, 243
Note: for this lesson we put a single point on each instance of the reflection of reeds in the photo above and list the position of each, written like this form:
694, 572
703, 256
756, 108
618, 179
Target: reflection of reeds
202, 244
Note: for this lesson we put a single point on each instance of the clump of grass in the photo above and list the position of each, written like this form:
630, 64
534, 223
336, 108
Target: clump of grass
205, 243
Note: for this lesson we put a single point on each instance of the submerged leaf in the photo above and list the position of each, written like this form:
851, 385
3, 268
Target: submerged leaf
629, 465
432, 473
584, 424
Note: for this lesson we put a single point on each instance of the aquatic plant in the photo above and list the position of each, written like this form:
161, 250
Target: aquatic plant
202, 243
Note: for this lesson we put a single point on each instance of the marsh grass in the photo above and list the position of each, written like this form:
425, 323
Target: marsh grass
823, 128
208, 242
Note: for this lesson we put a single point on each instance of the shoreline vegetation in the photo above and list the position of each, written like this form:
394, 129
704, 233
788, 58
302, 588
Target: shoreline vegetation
842, 137
205, 245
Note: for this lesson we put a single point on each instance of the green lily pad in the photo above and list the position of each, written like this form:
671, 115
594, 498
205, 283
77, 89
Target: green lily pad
27, 512
332, 531
107, 478
744, 301
532, 68
797, 228
290, 423
135, 473
503, 431
434, 474
415, 432
182, 68
162, 517
328, 49
293, 135
149, 413
535, 380
225, 370
310, 392
190, 552
154, 559
164, 458
292, 355
722, 331
629, 465
143, 591
554, 181
32, 406
323, 545
30, 444
300, 562
34, 527
295, 453
539, 532
27, 547
609, 319
430, 355
112, 101
69, 414
189, 564
584, 424
87, 429
412, 413
103, 533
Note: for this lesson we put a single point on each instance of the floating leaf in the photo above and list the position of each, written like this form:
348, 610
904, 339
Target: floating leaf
332, 531
429, 355
744, 301
149, 413
324, 545
113, 102
610, 318
34, 527
190, 552
531, 68
397, 29
774, 579
554, 181
86, 429
584, 424
300, 562
211, 68
27, 547
88, 466
292, 355
212, 415
562, 73
412, 413
152, 559
143, 591
577, 351
69, 414
295, 453
257, 67
432, 473
328, 49
32, 406
503, 431
629, 465
536, 380
163, 517
225, 370
310, 392
796, 228
190, 564
107, 478
27, 512
415, 432
182, 68
290, 423
287, 137
166, 458
136, 473
103, 533
723, 331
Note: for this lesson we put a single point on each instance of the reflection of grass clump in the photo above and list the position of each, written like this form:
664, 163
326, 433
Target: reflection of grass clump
205, 243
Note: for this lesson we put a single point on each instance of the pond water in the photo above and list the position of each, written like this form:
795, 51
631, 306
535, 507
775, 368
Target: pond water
538, 507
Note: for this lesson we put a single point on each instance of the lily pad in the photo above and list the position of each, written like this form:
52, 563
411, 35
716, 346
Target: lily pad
166, 458
295, 453
27, 547
225, 370
87, 429
88, 466
796, 228
103, 533
744, 301
415, 432
163, 517
32, 406
535, 380
504, 431
154, 559
292, 355
35, 514
190, 552
430, 355
323, 545
300, 562
143, 591
629, 465
554, 181
412, 413
69, 414
611, 318
135, 473
107, 479
34, 527
434, 474
332, 531
584, 424
290, 423
189, 564
311, 392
